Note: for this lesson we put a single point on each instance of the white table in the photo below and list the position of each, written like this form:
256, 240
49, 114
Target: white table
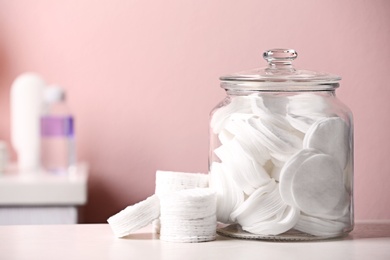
369, 240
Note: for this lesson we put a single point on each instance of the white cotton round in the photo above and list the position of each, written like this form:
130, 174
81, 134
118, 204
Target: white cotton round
318, 188
169, 181
288, 171
321, 227
330, 136
313, 182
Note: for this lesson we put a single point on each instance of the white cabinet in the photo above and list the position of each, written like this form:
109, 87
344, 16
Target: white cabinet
42, 198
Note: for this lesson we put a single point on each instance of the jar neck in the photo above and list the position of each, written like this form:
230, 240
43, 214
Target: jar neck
235, 92
241, 86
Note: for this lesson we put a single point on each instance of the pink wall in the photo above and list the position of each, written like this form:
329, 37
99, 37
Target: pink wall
142, 76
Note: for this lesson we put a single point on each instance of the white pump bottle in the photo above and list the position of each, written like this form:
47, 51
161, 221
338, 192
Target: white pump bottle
26, 108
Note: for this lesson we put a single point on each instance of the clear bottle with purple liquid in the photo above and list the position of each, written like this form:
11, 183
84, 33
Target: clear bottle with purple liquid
57, 133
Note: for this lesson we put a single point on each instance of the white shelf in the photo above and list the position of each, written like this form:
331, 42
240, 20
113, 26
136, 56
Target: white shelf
44, 189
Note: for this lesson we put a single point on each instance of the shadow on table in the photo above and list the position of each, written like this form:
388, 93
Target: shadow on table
142, 236
361, 231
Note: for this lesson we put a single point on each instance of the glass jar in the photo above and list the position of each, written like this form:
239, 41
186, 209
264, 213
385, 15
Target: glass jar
281, 154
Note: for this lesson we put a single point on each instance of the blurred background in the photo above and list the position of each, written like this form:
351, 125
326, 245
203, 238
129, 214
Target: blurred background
142, 76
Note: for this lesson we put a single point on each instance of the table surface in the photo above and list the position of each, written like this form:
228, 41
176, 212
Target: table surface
369, 240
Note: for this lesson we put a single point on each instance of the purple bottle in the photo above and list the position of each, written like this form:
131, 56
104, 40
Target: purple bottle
57, 133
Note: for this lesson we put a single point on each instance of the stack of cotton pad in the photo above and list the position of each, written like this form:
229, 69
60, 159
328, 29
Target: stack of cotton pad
188, 216
168, 182
188, 209
288, 155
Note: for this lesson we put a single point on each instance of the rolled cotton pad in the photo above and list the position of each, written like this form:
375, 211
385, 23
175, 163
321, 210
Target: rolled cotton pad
135, 217
330, 136
317, 187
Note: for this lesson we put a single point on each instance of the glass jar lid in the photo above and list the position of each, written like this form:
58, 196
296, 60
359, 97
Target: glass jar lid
280, 75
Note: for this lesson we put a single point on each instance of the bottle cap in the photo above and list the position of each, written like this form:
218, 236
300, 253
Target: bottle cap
54, 94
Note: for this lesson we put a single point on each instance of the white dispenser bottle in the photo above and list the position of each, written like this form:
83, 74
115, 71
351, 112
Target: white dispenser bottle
26, 108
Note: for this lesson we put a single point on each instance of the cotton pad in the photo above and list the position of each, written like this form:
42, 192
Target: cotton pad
135, 217
189, 216
304, 103
257, 202
317, 226
249, 140
229, 195
304, 109
313, 182
318, 188
284, 220
330, 136
265, 107
279, 140
238, 104
168, 181
265, 213
288, 171
245, 171
302, 123
225, 136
